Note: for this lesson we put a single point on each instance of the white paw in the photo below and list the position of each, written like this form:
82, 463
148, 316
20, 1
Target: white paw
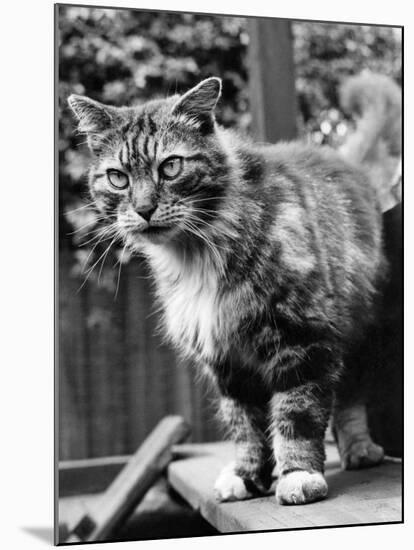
362, 454
230, 486
301, 487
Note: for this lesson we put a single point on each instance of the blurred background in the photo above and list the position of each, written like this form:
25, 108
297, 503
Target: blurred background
280, 80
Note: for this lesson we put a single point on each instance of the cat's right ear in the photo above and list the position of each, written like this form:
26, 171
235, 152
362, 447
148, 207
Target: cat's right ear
93, 117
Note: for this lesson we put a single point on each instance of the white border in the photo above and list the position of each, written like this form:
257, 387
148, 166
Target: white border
26, 132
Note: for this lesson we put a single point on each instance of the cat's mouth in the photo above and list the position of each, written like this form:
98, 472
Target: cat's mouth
156, 229
157, 233
153, 233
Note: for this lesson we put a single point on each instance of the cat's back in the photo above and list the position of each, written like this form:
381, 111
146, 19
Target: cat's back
326, 221
336, 198
321, 169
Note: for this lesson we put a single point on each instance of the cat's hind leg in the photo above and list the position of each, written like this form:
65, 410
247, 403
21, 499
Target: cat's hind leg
350, 420
250, 473
356, 448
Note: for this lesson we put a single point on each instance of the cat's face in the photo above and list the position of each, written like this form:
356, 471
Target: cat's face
159, 171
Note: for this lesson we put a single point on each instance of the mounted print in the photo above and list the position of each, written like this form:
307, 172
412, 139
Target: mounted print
229, 328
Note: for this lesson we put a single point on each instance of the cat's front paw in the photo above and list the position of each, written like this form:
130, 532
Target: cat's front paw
362, 454
301, 487
230, 486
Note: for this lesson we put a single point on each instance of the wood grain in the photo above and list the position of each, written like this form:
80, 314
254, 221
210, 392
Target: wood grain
355, 497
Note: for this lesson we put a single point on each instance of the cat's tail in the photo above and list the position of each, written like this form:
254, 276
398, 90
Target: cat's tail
374, 100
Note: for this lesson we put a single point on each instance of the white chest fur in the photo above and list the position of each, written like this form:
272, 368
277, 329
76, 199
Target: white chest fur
188, 293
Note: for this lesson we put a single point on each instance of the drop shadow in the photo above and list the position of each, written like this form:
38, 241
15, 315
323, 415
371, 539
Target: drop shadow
42, 533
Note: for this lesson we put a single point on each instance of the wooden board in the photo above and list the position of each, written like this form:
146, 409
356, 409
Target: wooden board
132, 483
355, 497
159, 515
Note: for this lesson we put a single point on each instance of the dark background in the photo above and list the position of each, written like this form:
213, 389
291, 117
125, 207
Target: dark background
116, 378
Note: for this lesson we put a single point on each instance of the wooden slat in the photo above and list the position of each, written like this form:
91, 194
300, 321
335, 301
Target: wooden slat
105, 364
137, 309
132, 483
160, 514
355, 497
73, 374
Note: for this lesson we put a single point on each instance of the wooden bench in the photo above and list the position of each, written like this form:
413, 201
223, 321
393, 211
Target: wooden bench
355, 497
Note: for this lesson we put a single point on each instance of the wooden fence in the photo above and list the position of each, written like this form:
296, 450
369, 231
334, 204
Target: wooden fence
116, 378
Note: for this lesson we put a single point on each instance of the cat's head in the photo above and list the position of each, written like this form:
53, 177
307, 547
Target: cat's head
159, 170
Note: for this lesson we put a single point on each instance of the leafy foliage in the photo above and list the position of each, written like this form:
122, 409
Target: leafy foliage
123, 56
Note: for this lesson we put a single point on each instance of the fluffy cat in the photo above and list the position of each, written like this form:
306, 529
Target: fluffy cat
267, 261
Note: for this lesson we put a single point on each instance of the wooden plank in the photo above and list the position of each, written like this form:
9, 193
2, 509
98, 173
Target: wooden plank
271, 80
105, 364
160, 514
132, 483
355, 497
137, 309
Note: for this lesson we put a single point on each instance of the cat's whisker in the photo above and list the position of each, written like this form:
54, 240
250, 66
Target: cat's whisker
206, 224
105, 230
119, 271
194, 230
89, 205
108, 233
203, 199
104, 258
94, 221
85, 263
197, 220
90, 270
203, 210
97, 232
90, 241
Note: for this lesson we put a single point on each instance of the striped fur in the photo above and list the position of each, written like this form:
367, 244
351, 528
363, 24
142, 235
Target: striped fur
267, 262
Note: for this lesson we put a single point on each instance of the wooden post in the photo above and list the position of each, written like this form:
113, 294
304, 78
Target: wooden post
272, 84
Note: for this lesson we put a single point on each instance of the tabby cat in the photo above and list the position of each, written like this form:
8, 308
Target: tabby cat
267, 261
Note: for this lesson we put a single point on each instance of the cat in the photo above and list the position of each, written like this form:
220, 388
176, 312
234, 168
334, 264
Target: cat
268, 264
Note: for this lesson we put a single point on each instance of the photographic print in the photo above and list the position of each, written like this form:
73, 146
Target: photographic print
229, 274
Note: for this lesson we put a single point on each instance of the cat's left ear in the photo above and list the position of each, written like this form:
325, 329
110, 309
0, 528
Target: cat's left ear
94, 119
197, 105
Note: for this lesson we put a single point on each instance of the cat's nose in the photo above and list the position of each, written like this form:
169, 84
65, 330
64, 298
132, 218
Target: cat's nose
146, 213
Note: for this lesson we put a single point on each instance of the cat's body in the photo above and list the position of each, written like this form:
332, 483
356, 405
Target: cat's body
280, 251
267, 262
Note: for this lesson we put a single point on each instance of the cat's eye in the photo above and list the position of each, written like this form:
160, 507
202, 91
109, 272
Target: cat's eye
171, 168
117, 179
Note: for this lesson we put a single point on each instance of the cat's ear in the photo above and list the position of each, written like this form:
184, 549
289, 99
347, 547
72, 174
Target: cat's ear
197, 105
93, 116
